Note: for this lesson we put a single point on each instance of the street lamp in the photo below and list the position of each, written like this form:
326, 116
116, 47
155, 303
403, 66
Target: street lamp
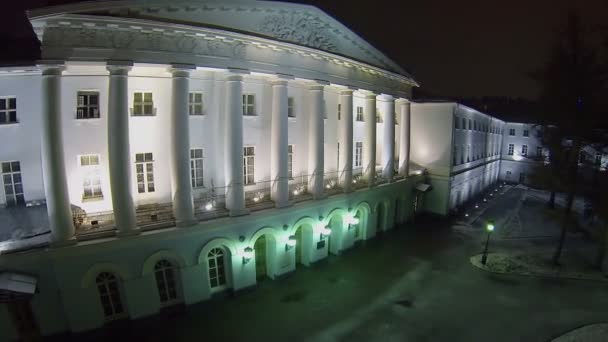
489, 229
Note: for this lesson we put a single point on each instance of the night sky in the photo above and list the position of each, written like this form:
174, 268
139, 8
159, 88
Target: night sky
465, 48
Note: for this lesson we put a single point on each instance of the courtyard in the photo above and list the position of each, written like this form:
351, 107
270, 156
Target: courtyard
414, 283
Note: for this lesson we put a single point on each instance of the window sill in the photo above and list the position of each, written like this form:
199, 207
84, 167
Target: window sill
87, 119
10, 124
143, 115
92, 199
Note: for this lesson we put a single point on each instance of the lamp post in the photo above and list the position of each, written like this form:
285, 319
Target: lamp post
489, 229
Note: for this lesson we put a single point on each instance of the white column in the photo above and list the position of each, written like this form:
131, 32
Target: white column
181, 187
233, 145
346, 140
404, 137
315, 142
369, 143
388, 137
278, 145
119, 151
53, 165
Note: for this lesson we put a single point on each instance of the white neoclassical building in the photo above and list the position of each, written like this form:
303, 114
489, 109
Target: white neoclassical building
163, 152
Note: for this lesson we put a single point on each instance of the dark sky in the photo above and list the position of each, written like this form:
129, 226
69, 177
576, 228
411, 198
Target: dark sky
463, 48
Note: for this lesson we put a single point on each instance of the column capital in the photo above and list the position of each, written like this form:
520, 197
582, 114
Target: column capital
51, 67
346, 92
119, 68
386, 98
181, 70
367, 94
317, 85
278, 83
402, 101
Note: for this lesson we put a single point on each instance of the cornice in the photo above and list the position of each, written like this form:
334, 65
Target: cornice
93, 32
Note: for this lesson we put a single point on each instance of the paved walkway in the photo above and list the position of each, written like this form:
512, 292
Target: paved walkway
412, 284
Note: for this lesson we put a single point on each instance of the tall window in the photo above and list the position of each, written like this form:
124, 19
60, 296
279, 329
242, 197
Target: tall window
290, 161
339, 111
358, 154
469, 150
165, 273
195, 103
464, 123
511, 149
470, 124
524, 150
474, 125
378, 116
249, 164
291, 108
8, 110
88, 105
462, 154
539, 151
196, 167
91, 176
217, 268
526, 133
457, 123
143, 104
512, 132
359, 113
248, 104
144, 166
13, 186
455, 156
108, 289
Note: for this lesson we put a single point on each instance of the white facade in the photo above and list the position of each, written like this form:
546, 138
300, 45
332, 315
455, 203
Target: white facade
522, 149
202, 155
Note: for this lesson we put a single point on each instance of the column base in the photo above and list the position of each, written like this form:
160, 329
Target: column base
238, 212
319, 196
64, 243
130, 232
187, 223
283, 205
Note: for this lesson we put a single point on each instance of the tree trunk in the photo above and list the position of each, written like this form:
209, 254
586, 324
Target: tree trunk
601, 255
562, 236
552, 200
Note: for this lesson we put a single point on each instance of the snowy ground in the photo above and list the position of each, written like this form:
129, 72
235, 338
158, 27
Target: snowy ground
589, 333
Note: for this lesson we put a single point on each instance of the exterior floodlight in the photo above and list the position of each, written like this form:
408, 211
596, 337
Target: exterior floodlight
290, 243
208, 206
296, 192
354, 181
325, 231
351, 219
247, 254
476, 206
491, 194
489, 229
466, 214
485, 200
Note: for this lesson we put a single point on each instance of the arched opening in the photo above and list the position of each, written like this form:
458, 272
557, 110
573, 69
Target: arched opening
264, 248
304, 239
167, 282
110, 295
335, 238
380, 218
218, 261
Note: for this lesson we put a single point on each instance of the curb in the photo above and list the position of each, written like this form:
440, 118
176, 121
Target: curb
474, 261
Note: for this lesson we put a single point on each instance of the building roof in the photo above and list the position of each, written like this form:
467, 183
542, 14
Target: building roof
288, 22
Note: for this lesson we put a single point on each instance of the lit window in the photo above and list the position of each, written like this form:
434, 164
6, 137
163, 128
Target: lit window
358, 154
88, 105
511, 149
108, 289
249, 164
195, 103
291, 109
512, 132
290, 161
524, 150
91, 176
248, 104
13, 186
143, 104
526, 133
8, 110
217, 268
359, 114
196, 167
144, 167
165, 273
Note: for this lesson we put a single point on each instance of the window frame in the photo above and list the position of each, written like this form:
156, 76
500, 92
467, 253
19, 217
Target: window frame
7, 110
358, 160
193, 104
217, 273
511, 149
18, 198
290, 161
147, 166
291, 107
524, 150
113, 294
88, 106
194, 169
249, 105
511, 132
526, 133
359, 116
166, 272
143, 104
248, 163
90, 172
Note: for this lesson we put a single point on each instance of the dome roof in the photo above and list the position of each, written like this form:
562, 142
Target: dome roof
294, 23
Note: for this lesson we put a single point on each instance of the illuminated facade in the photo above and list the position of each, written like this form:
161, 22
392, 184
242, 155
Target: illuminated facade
174, 161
